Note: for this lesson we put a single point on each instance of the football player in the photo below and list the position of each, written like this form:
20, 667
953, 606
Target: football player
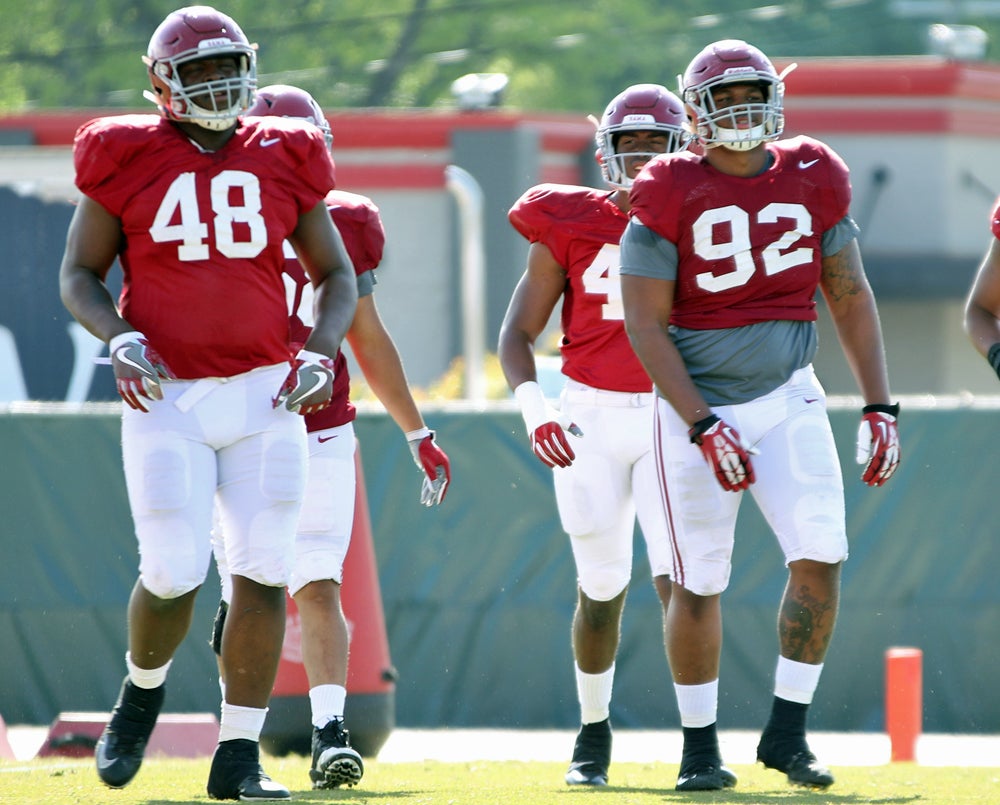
720, 264
327, 516
197, 205
982, 308
597, 440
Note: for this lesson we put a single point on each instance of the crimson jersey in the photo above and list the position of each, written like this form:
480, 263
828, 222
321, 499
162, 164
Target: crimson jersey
358, 221
749, 248
995, 220
582, 227
203, 231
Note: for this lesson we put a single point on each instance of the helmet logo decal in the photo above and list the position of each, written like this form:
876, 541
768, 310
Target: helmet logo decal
642, 107
213, 44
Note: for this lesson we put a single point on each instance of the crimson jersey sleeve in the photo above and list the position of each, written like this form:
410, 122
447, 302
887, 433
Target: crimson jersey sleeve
749, 248
581, 227
203, 232
995, 220
108, 150
360, 225
561, 215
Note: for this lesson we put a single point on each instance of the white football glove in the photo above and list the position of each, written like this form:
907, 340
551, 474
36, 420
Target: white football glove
433, 462
138, 369
546, 426
309, 384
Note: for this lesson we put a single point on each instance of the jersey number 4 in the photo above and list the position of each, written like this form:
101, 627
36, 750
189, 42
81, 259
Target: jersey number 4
603, 277
180, 205
777, 256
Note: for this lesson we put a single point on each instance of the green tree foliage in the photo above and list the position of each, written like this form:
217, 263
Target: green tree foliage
406, 53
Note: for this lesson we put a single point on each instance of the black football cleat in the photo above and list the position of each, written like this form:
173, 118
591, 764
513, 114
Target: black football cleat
792, 756
236, 773
120, 749
334, 762
706, 774
591, 755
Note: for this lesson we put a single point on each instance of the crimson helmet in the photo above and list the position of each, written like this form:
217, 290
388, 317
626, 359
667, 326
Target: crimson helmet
641, 107
733, 61
283, 100
190, 34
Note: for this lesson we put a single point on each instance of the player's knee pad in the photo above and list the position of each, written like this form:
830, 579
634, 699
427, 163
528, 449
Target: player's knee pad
604, 581
171, 564
705, 576
273, 569
168, 580
318, 557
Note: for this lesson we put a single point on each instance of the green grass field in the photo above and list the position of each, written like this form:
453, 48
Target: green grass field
59, 781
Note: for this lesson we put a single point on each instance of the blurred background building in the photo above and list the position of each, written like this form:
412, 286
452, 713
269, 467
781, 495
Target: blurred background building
920, 134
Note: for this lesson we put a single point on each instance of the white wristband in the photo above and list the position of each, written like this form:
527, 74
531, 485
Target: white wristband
123, 338
312, 357
534, 409
418, 435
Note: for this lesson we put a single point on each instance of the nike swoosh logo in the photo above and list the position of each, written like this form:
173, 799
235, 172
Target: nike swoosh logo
809, 164
103, 761
808, 400
322, 439
123, 358
319, 379
271, 141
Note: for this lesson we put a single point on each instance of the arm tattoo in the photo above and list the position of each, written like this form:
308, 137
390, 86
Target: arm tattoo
841, 275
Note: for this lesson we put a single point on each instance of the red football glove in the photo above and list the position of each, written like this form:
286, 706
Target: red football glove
433, 462
138, 369
550, 444
308, 386
726, 452
878, 443
546, 427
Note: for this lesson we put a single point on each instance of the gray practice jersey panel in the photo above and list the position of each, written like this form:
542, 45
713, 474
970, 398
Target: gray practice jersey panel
737, 364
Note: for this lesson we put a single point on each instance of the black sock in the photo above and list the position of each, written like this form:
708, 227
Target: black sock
787, 718
701, 742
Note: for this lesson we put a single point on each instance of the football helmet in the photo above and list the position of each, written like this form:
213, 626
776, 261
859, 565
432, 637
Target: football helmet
190, 34
641, 107
283, 100
740, 127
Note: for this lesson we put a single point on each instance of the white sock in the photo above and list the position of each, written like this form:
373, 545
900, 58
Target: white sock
241, 722
698, 704
327, 703
594, 692
796, 681
146, 677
